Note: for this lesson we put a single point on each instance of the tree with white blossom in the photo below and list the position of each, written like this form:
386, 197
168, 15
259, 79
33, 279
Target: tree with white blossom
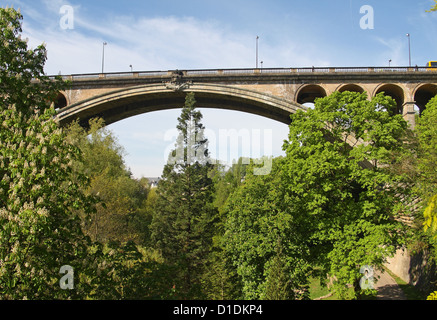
40, 194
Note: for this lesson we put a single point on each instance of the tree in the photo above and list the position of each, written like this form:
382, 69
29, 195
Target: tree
183, 223
119, 227
126, 271
277, 280
226, 181
23, 83
427, 162
263, 239
121, 214
221, 281
340, 186
39, 201
432, 296
430, 215
329, 207
45, 195
434, 8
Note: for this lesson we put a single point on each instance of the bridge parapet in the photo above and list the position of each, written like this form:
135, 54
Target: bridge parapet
252, 71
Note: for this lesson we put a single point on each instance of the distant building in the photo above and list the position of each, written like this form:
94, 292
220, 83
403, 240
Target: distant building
153, 182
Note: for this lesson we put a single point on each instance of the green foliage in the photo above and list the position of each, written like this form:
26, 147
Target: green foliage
22, 80
427, 163
183, 222
264, 240
122, 267
277, 280
101, 151
126, 272
330, 203
226, 181
40, 230
45, 194
434, 8
432, 296
427, 135
328, 208
346, 197
430, 215
221, 281
121, 214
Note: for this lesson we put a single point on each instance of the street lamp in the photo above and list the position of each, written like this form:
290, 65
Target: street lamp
257, 38
130, 68
389, 63
409, 47
103, 55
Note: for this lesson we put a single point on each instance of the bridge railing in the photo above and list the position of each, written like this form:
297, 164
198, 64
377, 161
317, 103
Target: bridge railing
244, 71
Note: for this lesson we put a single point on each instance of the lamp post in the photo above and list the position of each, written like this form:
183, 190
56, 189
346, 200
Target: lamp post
257, 38
131, 68
409, 48
103, 55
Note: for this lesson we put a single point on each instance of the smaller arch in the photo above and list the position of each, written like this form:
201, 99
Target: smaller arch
423, 94
309, 93
351, 87
394, 91
60, 101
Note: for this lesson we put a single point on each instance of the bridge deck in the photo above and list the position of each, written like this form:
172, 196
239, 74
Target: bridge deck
270, 92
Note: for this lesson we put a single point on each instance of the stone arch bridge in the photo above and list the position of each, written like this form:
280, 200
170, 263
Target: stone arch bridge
272, 93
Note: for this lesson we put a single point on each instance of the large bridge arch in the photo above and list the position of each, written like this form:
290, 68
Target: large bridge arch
124, 103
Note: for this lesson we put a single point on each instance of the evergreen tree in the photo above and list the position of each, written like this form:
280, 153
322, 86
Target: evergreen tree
183, 223
277, 281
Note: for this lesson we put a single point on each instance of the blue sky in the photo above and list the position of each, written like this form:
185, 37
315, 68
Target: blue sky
198, 34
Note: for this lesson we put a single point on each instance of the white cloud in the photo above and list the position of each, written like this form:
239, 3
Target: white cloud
158, 43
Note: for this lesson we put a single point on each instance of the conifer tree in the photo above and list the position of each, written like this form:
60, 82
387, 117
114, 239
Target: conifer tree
182, 226
277, 281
